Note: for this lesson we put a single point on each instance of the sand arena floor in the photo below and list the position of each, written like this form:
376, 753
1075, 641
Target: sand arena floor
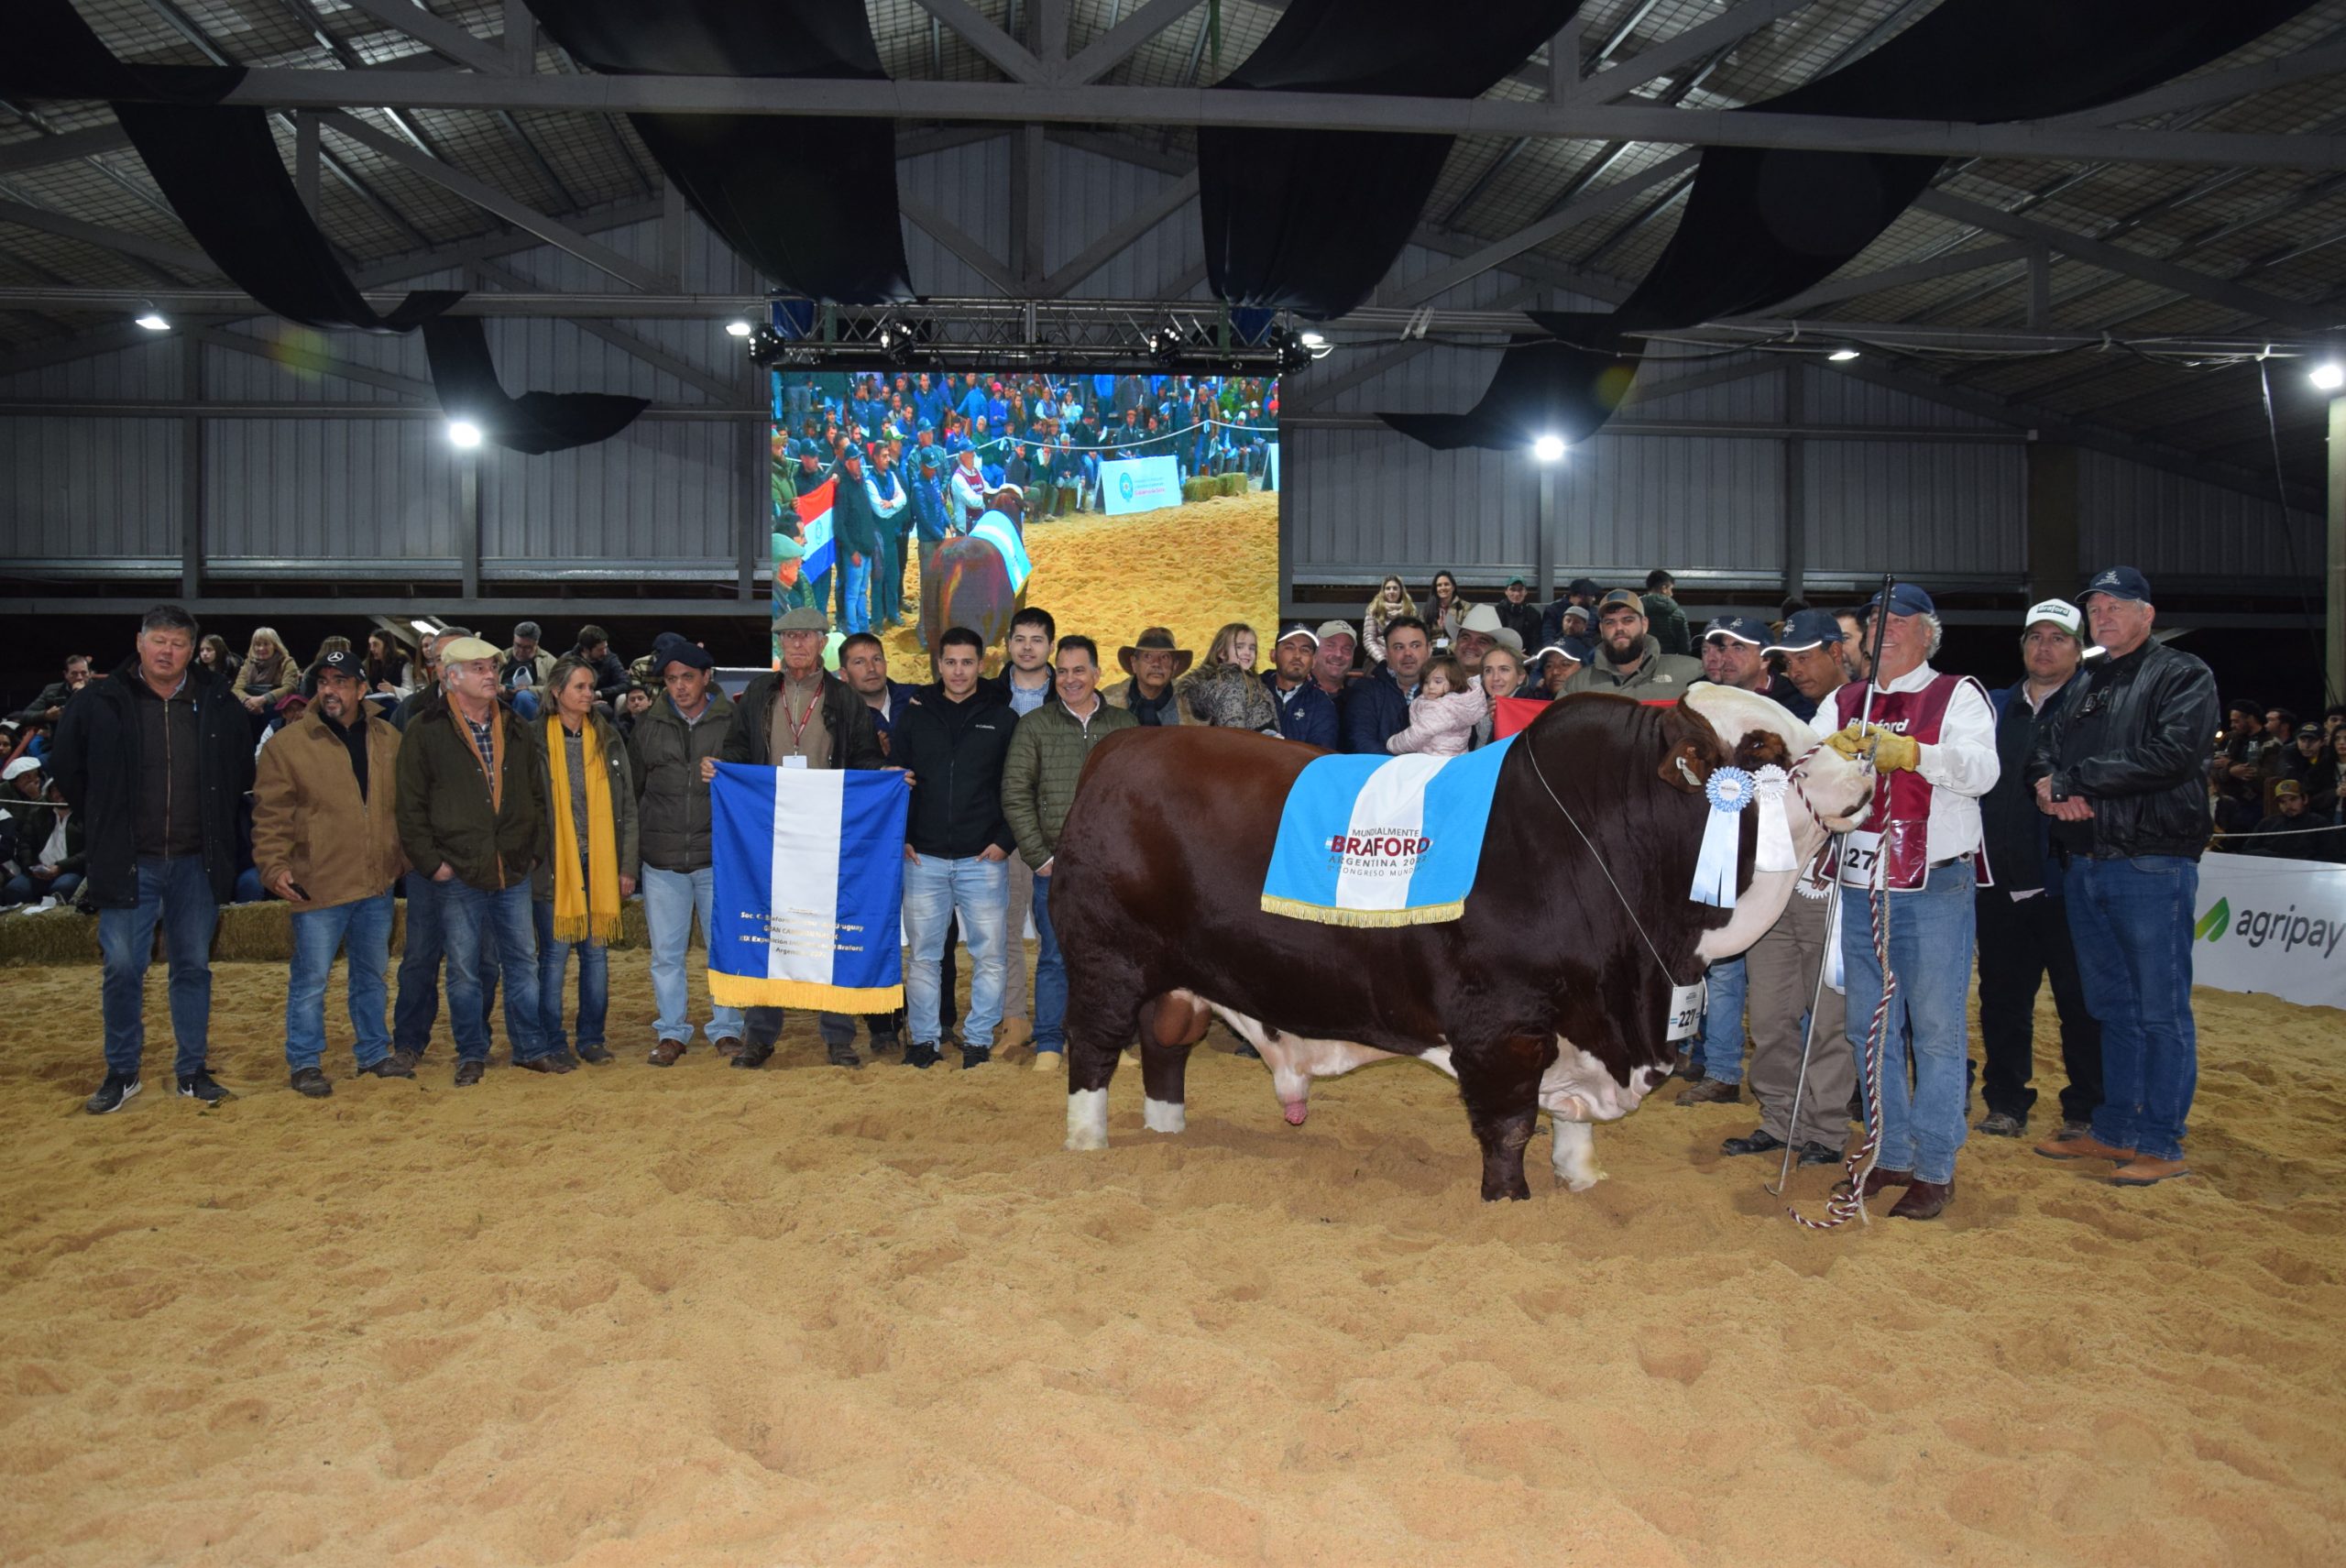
806, 1316
1193, 568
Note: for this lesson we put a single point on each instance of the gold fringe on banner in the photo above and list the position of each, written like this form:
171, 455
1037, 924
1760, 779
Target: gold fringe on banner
746, 991
1328, 915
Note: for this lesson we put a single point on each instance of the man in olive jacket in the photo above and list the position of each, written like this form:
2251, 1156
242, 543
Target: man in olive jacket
326, 840
801, 716
472, 817
673, 747
156, 761
1039, 779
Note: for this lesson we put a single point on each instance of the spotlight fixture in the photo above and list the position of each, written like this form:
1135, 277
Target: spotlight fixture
154, 321
464, 433
2329, 376
1548, 448
737, 327
1842, 356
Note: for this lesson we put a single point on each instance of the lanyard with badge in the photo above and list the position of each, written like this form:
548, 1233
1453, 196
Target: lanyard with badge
797, 758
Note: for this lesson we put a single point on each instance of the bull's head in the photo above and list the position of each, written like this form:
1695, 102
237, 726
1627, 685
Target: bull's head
1829, 794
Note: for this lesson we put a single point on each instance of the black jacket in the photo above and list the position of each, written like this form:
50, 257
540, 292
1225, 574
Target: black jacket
2018, 836
96, 760
1373, 711
2133, 740
955, 752
855, 739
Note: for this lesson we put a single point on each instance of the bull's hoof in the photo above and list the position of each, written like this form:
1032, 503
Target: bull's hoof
1087, 1119
1295, 1110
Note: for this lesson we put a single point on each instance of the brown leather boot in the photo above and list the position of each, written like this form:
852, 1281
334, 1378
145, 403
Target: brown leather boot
1923, 1201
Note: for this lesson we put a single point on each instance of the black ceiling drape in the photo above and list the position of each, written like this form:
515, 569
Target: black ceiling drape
1310, 220
465, 378
1763, 225
808, 200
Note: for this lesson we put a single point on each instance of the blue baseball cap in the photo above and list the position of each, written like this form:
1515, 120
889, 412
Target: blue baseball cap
2119, 583
1905, 598
1739, 628
1806, 630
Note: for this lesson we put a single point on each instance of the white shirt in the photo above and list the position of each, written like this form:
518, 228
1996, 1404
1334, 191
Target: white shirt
1961, 766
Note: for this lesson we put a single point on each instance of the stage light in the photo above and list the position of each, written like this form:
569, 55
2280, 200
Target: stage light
1842, 356
737, 327
155, 320
464, 433
1548, 448
2328, 376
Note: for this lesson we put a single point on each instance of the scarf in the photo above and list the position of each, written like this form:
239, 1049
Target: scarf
586, 909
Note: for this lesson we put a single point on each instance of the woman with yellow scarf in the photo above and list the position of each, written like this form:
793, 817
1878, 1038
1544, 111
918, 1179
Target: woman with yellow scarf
590, 859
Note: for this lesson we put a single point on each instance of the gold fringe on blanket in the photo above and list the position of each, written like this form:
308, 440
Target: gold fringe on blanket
1328, 915
747, 990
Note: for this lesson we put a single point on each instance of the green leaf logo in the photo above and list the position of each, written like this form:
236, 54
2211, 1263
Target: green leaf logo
2211, 926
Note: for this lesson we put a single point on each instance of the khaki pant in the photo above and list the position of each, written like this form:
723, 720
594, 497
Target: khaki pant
1022, 899
1781, 966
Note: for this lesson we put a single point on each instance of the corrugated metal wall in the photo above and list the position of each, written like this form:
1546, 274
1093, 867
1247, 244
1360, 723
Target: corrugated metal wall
2168, 525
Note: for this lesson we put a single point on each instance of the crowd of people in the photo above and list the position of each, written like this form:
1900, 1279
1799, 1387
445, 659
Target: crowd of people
515, 800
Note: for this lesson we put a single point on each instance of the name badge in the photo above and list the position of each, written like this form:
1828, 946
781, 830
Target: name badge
793, 761
1685, 1011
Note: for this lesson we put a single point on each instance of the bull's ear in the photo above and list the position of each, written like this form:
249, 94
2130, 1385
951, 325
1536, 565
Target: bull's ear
1758, 748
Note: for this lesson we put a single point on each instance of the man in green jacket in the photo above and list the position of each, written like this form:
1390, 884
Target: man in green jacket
1038, 778
472, 817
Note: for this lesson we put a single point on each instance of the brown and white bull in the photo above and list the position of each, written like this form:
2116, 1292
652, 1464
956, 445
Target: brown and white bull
1542, 996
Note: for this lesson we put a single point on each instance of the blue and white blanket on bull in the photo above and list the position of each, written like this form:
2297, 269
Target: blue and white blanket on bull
1382, 840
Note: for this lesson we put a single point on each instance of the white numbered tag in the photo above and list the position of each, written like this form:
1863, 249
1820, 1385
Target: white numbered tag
1860, 858
793, 761
1685, 1011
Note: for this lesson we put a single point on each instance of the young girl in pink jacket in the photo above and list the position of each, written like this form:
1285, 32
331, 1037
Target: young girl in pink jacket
1443, 713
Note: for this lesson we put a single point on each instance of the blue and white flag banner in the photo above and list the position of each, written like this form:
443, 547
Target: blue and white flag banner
1382, 840
810, 888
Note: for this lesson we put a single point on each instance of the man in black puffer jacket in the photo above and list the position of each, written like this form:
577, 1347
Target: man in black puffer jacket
2123, 770
953, 737
156, 761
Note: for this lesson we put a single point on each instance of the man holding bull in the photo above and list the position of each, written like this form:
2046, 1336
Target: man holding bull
1931, 741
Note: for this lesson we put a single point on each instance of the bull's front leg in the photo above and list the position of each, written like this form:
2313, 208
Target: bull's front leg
1574, 1155
1501, 1088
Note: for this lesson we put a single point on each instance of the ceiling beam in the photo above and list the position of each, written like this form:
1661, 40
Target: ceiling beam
1115, 46
1664, 58
1048, 103
1499, 252
1008, 55
2132, 263
1121, 237
483, 195
138, 245
1834, 291
487, 55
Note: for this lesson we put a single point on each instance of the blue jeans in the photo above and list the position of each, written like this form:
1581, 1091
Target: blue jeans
177, 892
670, 901
488, 932
366, 927
857, 588
25, 890
594, 983
1719, 1049
1930, 932
935, 890
2132, 923
1050, 975
417, 1007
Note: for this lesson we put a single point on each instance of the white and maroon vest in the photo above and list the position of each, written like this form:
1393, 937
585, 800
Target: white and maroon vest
1897, 827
